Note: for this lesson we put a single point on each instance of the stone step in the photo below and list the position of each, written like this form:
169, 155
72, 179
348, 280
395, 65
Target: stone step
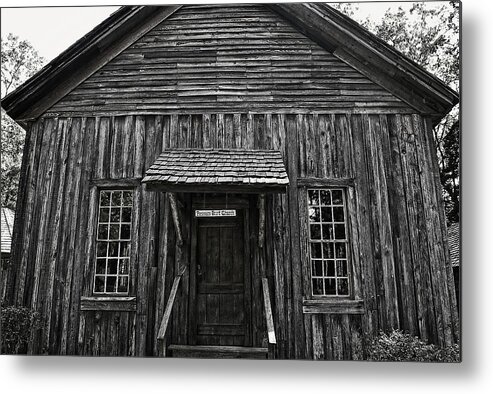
207, 351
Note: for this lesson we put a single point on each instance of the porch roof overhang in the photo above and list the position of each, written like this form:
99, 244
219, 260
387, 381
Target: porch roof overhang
218, 171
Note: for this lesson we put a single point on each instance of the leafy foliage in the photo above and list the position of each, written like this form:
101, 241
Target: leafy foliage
450, 171
400, 346
13, 137
429, 35
19, 62
17, 325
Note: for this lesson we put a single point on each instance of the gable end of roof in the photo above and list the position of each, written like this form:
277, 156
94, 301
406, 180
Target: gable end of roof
335, 32
370, 55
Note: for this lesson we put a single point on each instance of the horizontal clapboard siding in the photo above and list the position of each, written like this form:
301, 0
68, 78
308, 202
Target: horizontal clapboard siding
225, 59
399, 241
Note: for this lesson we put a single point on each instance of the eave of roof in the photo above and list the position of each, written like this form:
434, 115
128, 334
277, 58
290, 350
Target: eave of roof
326, 26
96, 48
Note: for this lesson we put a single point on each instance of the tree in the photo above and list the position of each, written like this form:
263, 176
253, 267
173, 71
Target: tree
429, 35
19, 62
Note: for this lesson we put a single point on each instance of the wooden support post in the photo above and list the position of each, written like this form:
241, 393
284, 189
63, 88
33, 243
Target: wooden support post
261, 220
268, 312
176, 219
167, 312
269, 320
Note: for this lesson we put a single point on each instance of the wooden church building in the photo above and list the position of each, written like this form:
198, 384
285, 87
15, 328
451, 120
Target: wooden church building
254, 180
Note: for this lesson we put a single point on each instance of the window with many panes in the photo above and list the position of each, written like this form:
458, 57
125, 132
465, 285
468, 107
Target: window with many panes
111, 274
328, 234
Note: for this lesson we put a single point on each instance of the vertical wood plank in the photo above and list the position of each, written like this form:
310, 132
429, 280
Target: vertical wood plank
318, 337
436, 246
364, 214
82, 242
292, 128
47, 166
419, 239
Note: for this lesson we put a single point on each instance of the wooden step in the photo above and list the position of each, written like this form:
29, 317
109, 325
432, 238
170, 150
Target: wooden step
205, 351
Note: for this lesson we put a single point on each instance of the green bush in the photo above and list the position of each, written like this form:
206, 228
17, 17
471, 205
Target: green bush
400, 346
17, 325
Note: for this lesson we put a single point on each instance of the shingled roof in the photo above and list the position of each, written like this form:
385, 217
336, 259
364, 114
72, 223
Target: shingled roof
212, 170
454, 244
7, 224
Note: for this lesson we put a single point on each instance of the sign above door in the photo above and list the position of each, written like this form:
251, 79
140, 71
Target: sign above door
203, 213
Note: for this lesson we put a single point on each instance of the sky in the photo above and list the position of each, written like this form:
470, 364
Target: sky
51, 30
61, 26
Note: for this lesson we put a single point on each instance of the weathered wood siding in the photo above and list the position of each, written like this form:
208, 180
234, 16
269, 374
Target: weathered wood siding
398, 237
232, 77
241, 58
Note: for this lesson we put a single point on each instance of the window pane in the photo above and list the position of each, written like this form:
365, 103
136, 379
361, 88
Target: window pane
103, 231
124, 249
325, 197
102, 249
112, 266
342, 286
104, 199
111, 284
314, 214
127, 199
316, 250
116, 198
126, 215
341, 267
115, 215
125, 234
318, 286
123, 268
340, 249
328, 250
340, 231
338, 214
315, 231
327, 231
337, 197
313, 197
326, 214
329, 268
113, 249
99, 284
100, 266
123, 284
317, 268
330, 286
104, 215
114, 231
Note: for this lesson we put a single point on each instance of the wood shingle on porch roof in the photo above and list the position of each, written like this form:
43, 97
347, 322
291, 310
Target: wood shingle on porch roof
221, 170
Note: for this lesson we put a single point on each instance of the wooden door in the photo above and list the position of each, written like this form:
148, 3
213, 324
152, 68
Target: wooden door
222, 281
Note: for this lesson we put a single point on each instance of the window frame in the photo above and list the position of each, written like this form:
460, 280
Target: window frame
329, 241
352, 303
128, 240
